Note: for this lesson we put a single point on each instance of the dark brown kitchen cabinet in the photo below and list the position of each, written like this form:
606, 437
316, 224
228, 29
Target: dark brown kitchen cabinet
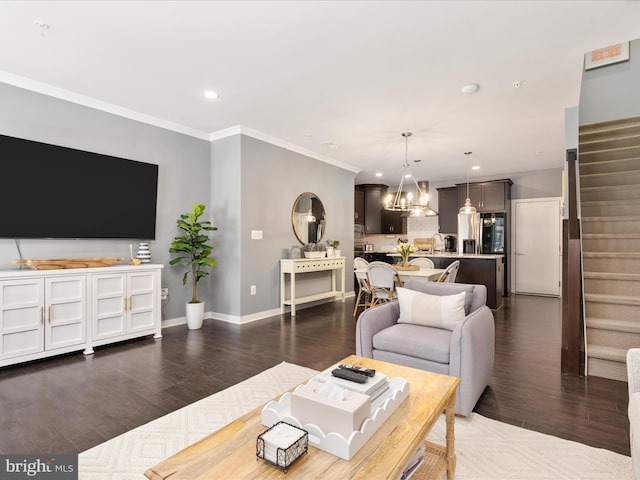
358, 201
369, 198
373, 196
393, 222
494, 196
491, 196
474, 192
448, 210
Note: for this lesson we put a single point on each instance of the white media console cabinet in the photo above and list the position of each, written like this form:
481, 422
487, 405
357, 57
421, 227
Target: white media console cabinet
50, 312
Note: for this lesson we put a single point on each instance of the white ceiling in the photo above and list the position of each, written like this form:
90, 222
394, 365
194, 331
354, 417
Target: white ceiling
355, 73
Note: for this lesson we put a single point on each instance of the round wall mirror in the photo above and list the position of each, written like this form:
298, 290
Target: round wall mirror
308, 218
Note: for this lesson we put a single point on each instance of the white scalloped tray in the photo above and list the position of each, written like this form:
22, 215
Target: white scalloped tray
334, 443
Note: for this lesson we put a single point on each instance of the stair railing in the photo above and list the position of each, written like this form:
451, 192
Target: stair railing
572, 356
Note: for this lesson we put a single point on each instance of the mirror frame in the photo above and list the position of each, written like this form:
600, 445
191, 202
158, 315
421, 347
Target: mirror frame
323, 220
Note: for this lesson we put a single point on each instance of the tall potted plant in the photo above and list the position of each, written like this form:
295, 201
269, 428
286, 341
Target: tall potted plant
196, 253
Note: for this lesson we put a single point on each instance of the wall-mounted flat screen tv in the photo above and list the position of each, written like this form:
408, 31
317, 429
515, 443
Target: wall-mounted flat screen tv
49, 191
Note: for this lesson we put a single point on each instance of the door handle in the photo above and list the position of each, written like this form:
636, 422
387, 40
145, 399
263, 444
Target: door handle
520, 254
49, 313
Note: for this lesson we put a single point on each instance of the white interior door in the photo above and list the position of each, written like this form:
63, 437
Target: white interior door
536, 246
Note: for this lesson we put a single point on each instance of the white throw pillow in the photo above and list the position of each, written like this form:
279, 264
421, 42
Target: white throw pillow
441, 311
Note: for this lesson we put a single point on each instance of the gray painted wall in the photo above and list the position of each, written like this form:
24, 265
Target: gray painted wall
571, 119
611, 92
247, 184
34, 116
226, 201
254, 185
537, 184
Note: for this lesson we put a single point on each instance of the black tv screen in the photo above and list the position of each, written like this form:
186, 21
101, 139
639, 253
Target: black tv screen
50, 191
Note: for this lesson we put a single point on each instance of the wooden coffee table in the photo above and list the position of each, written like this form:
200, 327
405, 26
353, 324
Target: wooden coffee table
231, 451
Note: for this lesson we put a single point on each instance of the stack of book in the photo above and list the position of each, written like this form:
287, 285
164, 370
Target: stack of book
375, 387
414, 463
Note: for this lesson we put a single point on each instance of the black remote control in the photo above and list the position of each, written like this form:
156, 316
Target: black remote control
349, 375
364, 371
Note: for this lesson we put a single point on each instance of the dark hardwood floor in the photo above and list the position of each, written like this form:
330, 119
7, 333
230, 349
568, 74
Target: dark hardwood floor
71, 403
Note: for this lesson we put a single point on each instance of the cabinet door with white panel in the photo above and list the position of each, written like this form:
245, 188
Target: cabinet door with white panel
109, 305
42, 314
125, 305
21, 317
142, 292
65, 311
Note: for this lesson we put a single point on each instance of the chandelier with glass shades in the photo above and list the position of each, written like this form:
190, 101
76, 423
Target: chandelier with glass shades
414, 205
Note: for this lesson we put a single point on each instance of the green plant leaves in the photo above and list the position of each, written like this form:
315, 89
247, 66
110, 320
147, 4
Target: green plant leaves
194, 244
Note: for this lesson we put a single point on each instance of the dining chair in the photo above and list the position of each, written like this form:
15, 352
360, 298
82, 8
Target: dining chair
364, 287
449, 275
422, 262
383, 279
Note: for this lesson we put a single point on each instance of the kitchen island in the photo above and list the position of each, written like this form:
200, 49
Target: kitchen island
487, 270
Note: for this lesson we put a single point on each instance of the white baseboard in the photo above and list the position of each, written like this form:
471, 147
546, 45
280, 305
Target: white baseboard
172, 322
244, 319
240, 320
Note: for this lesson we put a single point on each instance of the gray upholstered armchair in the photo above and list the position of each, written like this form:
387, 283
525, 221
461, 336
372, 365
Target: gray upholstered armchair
466, 351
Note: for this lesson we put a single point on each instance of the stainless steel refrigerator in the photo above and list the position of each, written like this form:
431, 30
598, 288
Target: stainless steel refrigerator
468, 232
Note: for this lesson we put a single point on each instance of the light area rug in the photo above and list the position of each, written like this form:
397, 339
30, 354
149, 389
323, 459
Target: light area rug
485, 449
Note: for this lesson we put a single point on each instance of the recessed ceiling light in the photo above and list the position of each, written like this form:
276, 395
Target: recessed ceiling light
42, 26
211, 95
378, 174
475, 167
471, 88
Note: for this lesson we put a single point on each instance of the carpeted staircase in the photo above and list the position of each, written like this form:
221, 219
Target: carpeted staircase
609, 159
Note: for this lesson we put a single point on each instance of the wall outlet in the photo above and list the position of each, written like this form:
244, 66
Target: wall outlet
256, 234
164, 293
253, 289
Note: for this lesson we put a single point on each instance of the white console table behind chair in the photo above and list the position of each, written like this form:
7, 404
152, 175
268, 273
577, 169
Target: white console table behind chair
305, 265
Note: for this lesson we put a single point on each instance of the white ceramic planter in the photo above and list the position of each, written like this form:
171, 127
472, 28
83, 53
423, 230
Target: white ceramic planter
195, 315
315, 254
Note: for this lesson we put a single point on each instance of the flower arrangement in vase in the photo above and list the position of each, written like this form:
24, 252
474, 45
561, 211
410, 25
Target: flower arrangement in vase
405, 249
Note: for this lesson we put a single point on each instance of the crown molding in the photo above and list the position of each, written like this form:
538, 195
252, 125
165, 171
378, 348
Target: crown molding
62, 94
224, 133
69, 96
241, 129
